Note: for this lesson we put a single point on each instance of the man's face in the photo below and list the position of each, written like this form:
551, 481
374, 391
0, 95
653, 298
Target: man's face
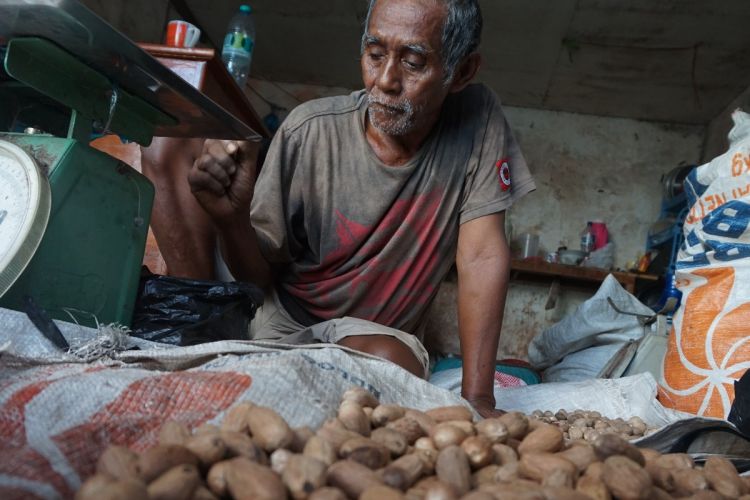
402, 66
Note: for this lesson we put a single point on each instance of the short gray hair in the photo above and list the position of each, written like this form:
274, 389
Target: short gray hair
462, 32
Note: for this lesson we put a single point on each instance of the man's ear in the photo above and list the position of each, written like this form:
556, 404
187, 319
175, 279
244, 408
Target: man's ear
466, 72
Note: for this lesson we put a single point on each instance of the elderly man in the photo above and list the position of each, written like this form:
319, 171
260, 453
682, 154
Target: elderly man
365, 201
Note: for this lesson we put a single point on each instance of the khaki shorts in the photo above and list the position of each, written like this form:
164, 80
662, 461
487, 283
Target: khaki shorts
273, 323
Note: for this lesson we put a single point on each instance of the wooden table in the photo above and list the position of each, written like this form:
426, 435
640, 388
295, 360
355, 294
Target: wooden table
563, 274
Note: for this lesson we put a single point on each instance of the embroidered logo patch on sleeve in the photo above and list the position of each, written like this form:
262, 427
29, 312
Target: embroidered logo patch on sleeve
503, 173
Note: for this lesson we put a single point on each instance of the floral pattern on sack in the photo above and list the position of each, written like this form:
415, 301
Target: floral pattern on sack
710, 349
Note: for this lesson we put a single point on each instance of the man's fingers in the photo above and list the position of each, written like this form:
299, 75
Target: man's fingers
201, 180
222, 174
218, 151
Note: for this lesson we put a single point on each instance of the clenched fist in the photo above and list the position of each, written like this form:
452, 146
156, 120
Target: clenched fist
223, 178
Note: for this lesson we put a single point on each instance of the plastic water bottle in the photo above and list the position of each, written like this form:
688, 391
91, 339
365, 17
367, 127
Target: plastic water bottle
239, 42
587, 239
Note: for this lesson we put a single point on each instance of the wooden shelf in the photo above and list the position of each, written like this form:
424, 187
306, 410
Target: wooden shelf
538, 270
204, 69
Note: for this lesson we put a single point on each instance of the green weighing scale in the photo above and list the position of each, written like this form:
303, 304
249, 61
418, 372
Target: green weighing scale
74, 220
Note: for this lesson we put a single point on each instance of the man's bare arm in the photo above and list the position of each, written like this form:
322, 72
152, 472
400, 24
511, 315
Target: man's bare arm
483, 263
222, 179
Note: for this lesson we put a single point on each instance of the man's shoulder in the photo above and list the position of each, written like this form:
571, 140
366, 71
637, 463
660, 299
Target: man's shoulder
325, 108
477, 96
472, 111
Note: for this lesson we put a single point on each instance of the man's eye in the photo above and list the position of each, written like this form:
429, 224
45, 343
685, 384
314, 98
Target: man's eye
413, 64
375, 56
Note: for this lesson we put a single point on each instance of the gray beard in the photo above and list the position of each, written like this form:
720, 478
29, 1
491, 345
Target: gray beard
403, 119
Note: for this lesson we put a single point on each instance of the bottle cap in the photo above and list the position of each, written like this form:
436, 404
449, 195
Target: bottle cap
246, 8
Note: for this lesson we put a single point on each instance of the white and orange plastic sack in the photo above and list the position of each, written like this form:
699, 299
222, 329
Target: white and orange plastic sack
709, 345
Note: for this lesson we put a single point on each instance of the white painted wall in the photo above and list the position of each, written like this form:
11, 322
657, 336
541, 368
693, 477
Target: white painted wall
588, 167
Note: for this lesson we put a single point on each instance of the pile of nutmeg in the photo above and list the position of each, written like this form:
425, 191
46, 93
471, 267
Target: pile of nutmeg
588, 425
374, 451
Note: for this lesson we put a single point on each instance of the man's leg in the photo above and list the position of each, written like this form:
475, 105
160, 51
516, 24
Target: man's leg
387, 347
272, 323
401, 348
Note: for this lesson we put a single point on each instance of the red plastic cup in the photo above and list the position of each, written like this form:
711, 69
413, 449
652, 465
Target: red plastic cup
182, 34
601, 235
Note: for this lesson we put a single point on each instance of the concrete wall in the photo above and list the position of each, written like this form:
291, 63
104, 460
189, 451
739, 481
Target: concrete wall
139, 20
586, 167
717, 130
589, 167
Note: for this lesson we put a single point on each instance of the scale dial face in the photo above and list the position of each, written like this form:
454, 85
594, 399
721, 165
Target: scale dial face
24, 211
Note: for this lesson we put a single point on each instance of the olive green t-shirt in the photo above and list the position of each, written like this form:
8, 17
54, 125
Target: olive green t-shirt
351, 236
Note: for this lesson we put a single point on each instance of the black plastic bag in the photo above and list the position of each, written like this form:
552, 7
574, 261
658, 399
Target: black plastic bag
739, 415
183, 312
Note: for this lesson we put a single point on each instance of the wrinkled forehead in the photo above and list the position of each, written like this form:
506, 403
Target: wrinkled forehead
413, 22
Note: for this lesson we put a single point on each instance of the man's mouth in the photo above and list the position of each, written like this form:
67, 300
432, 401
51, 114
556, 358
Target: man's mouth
384, 108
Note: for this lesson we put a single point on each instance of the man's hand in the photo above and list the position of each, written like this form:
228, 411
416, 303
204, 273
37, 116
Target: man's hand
223, 178
483, 263
485, 407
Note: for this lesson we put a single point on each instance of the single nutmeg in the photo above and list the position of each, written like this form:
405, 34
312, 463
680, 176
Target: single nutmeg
452, 467
607, 445
268, 428
516, 422
546, 438
360, 396
493, 429
247, 479
120, 463
447, 413
178, 483
447, 434
303, 475
382, 414
354, 417
394, 441
626, 479
479, 451
320, 449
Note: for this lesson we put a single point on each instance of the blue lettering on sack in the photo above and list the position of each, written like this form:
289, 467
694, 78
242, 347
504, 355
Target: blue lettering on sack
230, 359
693, 188
727, 252
691, 239
323, 365
695, 261
729, 221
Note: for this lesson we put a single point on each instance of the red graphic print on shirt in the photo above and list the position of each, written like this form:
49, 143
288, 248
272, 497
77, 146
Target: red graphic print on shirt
503, 173
389, 268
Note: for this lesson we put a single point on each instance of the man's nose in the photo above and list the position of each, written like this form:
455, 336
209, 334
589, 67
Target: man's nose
389, 78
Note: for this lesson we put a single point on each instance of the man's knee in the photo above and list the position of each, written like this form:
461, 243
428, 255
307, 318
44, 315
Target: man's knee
386, 347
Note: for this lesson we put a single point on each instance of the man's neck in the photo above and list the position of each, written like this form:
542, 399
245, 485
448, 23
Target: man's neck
397, 150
